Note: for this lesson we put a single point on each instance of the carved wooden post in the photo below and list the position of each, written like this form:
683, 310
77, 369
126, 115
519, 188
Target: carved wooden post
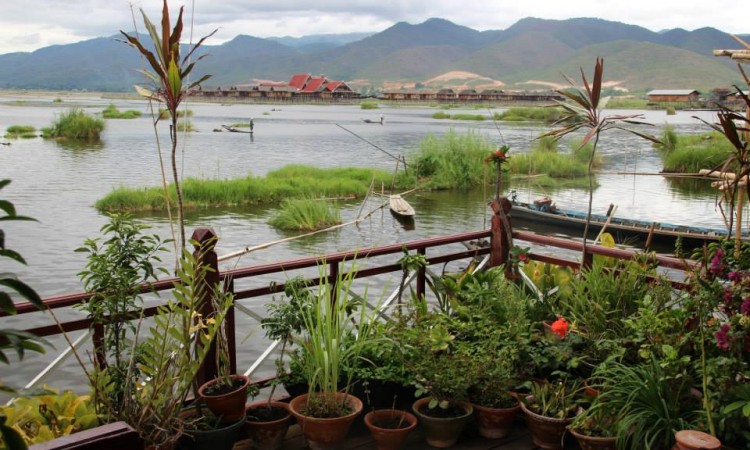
421, 276
205, 255
500, 238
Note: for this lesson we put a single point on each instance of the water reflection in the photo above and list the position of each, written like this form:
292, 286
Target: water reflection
80, 146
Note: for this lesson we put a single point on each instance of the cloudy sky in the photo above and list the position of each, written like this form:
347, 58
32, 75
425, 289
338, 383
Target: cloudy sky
26, 25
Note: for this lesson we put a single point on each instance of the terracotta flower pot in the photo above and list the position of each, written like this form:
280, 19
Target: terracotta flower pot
546, 432
326, 433
695, 440
390, 427
267, 434
442, 432
495, 423
593, 442
231, 405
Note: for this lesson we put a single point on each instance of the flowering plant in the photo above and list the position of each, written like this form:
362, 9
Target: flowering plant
498, 157
560, 327
519, 256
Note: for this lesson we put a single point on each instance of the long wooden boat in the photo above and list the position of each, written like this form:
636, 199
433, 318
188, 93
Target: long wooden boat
400, 207
624, 230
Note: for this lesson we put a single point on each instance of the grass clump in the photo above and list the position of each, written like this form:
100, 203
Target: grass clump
444, 115
369, 104
306, 214
545, 159
164, 114
75, 124
185, 126
530, 114
452, 161
289, 182
690, 153
20, 131
111, 112
627, 103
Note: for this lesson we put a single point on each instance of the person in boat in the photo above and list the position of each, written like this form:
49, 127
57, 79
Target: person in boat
252, 124
381, 119
544, 205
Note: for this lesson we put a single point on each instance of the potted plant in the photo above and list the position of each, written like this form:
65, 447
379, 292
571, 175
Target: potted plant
266, 424
549, 409
204, 430
389, 428
226, 394
495, 408
440, 369
328, 345
595, 428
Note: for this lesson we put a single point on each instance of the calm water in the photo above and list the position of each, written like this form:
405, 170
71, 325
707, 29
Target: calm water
58, 184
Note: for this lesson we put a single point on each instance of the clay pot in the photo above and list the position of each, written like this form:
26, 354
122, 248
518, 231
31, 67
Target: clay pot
231, 405
594, 442
546, 432
322, 434
695, 440
393, 437
267, 434
442, 432
495, 423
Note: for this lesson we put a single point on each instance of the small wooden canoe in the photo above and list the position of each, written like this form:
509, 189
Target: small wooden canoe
399, 206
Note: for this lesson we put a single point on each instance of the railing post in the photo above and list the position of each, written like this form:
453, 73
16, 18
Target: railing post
205, 243
500, 237
421, 276
230, 328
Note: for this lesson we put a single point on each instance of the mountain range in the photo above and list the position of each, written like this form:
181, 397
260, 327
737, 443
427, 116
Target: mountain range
532, 54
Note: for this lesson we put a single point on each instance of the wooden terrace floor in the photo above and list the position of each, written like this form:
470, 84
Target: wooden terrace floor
359, 439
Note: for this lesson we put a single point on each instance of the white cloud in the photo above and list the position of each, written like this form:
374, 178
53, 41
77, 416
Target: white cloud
30, 24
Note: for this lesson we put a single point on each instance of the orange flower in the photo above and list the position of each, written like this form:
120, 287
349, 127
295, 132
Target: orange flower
560, 327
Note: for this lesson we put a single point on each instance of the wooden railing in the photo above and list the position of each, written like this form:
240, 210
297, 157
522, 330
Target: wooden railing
436, 250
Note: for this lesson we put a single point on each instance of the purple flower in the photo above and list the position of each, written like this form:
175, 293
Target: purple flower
728, 296
745, 308
722, 337
734, 276
717, 264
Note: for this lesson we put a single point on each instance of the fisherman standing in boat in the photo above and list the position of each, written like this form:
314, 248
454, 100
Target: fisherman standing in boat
252, 124
381, 119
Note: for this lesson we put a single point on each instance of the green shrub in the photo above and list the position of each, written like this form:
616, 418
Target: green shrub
20, 131
306, 214
75, 124
369, 104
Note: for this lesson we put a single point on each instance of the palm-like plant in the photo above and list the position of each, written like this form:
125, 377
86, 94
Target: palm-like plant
168, 76
584, 111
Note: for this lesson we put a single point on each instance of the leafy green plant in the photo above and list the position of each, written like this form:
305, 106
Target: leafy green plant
557, 399
49, 415
584, 112
75, 124
116, 263
330, 343
170, 85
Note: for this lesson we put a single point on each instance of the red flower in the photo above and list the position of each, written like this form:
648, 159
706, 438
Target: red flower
560, 327
499, 156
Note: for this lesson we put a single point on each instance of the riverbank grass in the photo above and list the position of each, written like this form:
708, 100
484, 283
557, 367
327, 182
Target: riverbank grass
111, 112
20, 131
550, 167
75, 124
306, 214
530, 114
369, 104
691, 153
289, 182
444, 115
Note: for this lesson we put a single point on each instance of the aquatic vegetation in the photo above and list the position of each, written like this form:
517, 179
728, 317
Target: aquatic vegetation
530, 114
20, 131
443, 115
369, 104
306, 214
452, 161
111, 112
289, 182
75, 124
690, 153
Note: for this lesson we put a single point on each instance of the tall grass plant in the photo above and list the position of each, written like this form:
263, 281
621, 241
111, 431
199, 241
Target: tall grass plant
75, 124
306, 214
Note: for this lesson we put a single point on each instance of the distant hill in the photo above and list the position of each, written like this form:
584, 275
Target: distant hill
531, 54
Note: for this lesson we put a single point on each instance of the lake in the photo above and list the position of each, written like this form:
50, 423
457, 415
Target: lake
58, 183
